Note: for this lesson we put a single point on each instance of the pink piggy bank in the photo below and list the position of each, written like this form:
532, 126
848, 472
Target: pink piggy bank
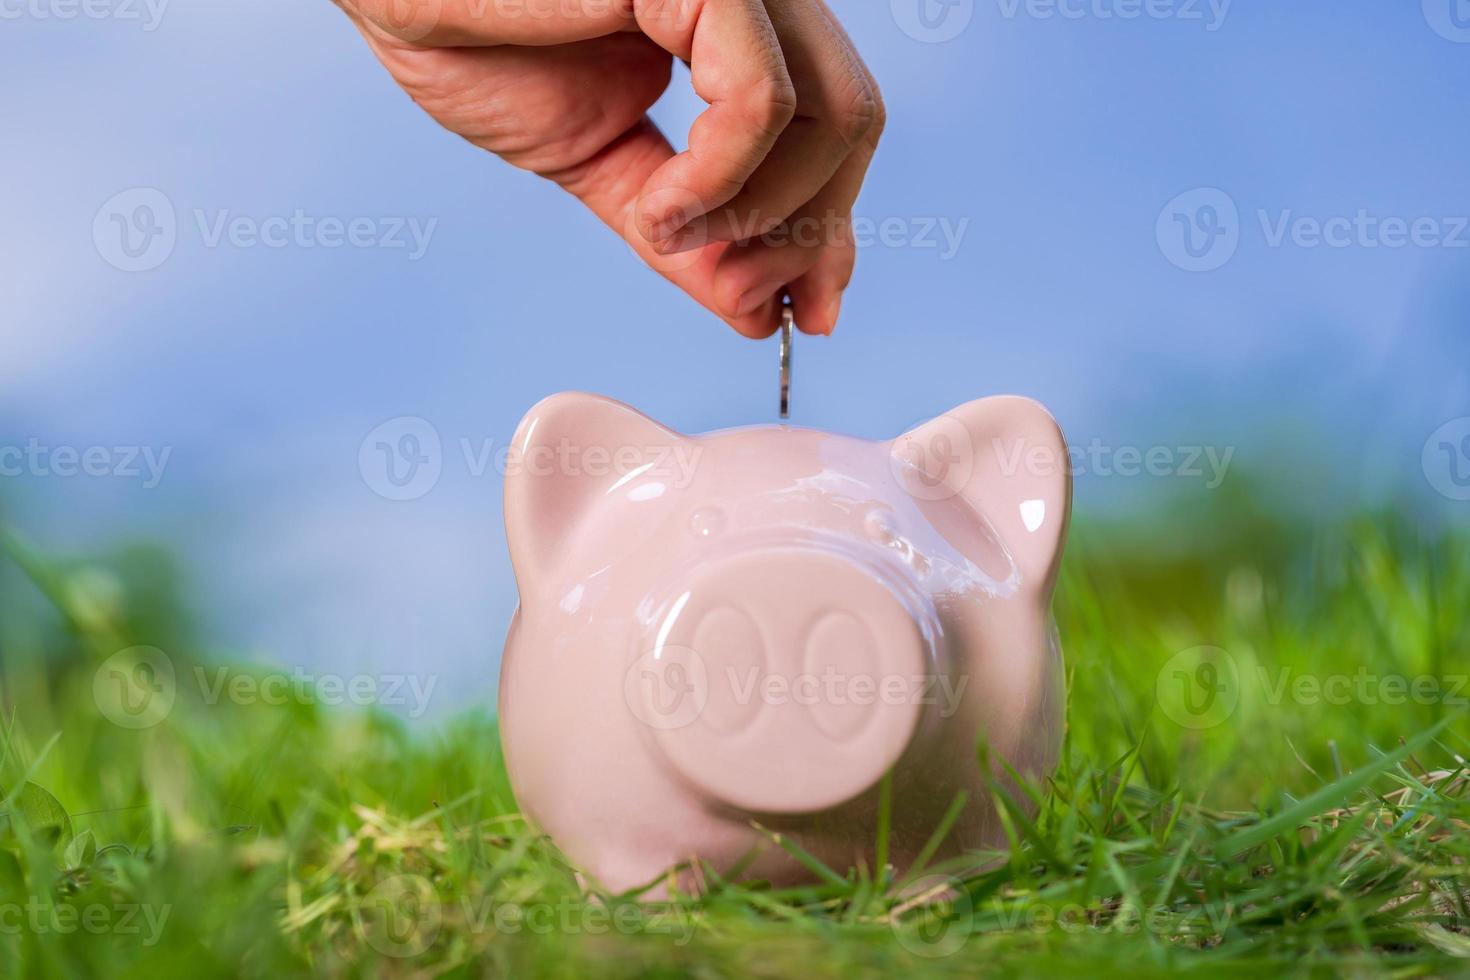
725, 637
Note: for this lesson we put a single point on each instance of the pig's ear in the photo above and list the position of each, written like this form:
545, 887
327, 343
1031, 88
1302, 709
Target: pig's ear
1006, 458
570, 452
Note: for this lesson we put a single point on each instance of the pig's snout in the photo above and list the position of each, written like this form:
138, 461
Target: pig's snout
786, 680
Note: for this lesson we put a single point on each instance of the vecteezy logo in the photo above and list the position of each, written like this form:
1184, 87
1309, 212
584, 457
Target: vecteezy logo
412, 20
1447, 459
1199, 688
1199, 230
401, 459
934, 461
1449, 18
934, 918
136, 230
667, 688
402, 916
134, 688
933, 21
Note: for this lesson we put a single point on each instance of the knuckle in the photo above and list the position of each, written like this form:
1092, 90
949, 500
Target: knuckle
860, 114
772, 104
880, 115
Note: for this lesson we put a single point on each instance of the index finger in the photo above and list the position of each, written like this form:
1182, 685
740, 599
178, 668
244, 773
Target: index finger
737, 67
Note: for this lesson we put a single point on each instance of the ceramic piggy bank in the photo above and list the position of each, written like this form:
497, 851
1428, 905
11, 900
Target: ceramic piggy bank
729, 637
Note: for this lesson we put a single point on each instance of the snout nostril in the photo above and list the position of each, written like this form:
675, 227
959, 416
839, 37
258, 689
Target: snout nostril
734, 654
842, 652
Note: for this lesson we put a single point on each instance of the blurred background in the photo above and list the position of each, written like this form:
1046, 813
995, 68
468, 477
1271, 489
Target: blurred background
1228, 238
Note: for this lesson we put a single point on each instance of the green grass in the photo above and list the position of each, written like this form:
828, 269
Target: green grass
1268, 830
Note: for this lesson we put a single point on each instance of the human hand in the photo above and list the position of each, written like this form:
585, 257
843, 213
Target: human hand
759, 205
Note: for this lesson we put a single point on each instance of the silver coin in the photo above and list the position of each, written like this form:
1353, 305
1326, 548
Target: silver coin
788, 333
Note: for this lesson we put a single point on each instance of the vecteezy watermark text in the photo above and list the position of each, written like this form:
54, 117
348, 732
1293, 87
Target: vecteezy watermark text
302, 230
137, 688
37, 459
403, 915
1207, 463
403, 459
1211, 14
935, 460
1364, 687
410, 691
942, 235
838, 688
39, 916
138, 229
669, 688
1201, 230
938, 21
148, 13
1201, 687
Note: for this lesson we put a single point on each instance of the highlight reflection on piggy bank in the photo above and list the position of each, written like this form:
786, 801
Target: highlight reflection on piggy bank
757, 626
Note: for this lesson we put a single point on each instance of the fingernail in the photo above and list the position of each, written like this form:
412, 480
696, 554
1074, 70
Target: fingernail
664, 228
655, 229
753, 299
679, 243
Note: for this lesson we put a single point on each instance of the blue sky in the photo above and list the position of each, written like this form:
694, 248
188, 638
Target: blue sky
1327, 340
